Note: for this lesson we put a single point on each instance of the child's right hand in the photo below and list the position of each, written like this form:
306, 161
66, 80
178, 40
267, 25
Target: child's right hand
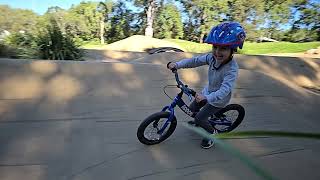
172, 65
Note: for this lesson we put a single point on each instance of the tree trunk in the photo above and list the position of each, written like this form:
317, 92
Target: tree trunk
203, 29
102, 31
150, 17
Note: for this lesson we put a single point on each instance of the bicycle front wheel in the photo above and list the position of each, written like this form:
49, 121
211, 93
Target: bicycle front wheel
152, 131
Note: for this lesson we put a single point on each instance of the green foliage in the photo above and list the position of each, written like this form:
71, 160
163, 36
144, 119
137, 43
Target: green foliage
251, 48
277, 47
93, 21
202, 14
53, 44
248, 13
6, 50
91, 44
169, 23
105, 9
309, 19
88, 14
15, 20
120, 23
22, 45
192, 47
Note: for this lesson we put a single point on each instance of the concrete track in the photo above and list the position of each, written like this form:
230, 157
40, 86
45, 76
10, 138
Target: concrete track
64, 120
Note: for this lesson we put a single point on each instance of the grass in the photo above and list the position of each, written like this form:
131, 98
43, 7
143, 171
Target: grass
277, 47
252, 48
91, 45
191, 46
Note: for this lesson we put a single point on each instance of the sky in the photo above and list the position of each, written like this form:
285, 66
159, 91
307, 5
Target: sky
40, 6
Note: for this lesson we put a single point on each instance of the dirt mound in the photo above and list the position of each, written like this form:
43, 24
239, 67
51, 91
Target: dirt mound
140, 43
115, 56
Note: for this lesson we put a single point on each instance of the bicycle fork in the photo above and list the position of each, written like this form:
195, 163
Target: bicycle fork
176, 101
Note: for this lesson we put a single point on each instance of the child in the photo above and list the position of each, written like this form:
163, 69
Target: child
222, 74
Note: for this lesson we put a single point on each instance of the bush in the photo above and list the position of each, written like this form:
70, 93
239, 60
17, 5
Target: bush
21, 45
5, 50
53, 44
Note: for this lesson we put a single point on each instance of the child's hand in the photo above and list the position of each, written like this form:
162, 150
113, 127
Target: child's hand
199, 97
172, 66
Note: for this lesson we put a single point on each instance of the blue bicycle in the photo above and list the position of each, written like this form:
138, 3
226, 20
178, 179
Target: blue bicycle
159, 126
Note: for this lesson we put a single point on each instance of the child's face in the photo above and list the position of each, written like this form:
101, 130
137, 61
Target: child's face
221, 53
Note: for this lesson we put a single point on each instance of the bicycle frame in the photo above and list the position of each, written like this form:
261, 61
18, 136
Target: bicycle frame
185, 108
182, 105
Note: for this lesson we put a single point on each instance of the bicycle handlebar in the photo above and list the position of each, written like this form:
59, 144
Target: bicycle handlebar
184, 88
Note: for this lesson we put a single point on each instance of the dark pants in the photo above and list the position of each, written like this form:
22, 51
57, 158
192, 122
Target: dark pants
204, 112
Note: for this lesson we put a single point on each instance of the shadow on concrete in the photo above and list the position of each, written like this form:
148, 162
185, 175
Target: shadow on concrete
78, 120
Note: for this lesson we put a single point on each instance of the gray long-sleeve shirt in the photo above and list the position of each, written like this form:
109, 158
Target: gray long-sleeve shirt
221, 82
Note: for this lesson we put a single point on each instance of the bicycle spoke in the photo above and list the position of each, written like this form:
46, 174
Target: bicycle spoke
152, 130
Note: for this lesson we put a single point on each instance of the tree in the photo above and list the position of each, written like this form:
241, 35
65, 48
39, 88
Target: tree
120, 21
276, 13
169, 23
307, 26
54, 44
87, 12
150, 7
15, 20
104, 8
248, 13
202, 15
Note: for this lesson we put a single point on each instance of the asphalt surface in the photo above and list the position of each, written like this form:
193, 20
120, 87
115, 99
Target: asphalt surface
62, 120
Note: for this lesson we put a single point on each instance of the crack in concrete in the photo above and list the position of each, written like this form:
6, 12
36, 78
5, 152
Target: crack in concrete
22, 164
68, 119
101, 163
277, 152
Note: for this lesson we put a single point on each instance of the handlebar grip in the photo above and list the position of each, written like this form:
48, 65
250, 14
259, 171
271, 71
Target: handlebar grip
203, 102
168, 64
173, 69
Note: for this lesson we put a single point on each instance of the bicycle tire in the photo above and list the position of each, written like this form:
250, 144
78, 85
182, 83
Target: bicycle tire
237, 122
155, 118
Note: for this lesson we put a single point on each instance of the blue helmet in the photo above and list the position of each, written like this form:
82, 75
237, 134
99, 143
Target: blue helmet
227, 34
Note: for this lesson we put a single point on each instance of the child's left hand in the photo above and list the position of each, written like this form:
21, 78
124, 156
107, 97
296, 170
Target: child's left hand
199, 97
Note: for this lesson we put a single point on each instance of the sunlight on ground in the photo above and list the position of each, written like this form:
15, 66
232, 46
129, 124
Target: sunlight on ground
35, 172
45, 68
303, 81
282, 73
63, 88
162, 156
190, 77
5, 107
126, 73
21, 87
125, 69
59, 88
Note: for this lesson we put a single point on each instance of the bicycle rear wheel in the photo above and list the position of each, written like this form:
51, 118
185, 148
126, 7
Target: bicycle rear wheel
148, 131
228, 118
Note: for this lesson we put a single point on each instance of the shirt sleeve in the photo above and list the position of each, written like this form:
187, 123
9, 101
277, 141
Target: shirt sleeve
194, 61
225, 88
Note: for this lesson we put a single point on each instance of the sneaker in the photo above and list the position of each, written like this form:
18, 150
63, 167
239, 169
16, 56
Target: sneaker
207, 143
